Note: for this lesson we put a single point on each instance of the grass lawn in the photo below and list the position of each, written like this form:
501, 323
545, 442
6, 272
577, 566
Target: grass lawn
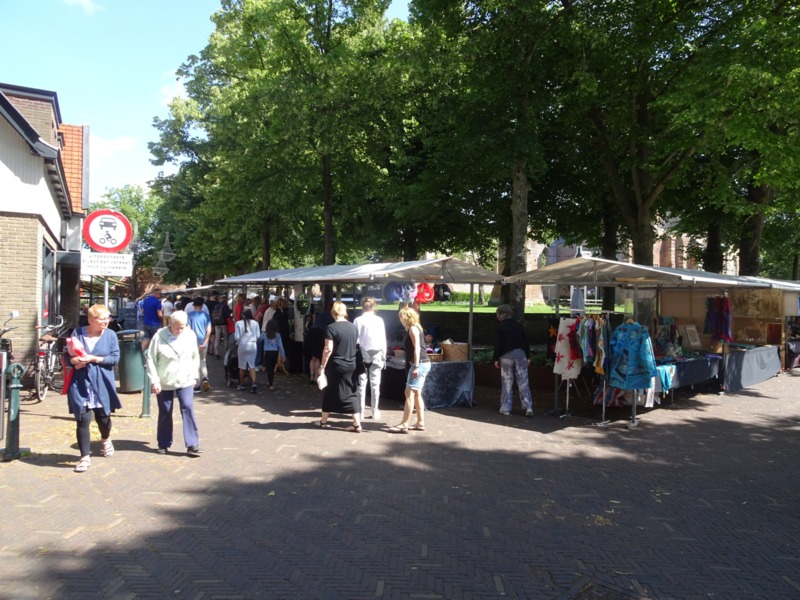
457, 307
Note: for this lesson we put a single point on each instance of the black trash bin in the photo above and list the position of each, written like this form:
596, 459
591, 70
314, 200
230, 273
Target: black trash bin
131, 361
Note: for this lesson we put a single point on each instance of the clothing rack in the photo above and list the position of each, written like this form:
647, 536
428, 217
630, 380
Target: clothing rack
558, 381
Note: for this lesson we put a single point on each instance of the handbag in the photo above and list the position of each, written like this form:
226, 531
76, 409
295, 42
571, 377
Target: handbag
361, 368
322, 381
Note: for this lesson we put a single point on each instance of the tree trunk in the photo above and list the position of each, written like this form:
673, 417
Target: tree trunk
410, 250
752, 228
266, 243
329, 251
520, 187
609, 250
642, 238
713, 258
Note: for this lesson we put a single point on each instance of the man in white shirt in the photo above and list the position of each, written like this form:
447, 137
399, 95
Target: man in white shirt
372, 339
166, 308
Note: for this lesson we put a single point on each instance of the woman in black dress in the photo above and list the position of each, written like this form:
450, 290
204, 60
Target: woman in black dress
339, 365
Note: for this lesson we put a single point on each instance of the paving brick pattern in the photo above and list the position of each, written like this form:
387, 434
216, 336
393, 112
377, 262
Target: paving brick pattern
698, 501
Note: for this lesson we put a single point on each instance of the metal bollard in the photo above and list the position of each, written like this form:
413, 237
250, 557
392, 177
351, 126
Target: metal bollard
13, 450
146, 396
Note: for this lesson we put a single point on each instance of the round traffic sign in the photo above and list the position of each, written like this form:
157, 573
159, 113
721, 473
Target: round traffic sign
107, 230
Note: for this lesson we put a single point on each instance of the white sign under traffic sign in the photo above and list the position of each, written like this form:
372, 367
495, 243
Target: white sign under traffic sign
106, 265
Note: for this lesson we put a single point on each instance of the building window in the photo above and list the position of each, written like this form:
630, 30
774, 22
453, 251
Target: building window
48, 284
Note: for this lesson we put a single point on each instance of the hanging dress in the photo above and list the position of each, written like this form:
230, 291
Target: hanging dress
568, 360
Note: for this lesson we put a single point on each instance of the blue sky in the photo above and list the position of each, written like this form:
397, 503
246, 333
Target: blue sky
112, 64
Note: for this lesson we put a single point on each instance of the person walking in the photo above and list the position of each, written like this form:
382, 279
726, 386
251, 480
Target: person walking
167, 306
419, 366
219, 319
93, 351
339, 365
314, 343
512, 355
372, 341
173, 361
211, 305
246, 334
152, 316
273, 351
200, 323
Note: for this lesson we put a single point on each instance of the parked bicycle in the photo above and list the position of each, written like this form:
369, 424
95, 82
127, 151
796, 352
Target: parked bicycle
5, 345
48, 370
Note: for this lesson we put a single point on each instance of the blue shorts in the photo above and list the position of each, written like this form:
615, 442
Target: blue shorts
150, 331
416, 383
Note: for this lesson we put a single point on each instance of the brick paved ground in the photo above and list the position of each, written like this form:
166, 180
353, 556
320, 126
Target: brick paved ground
699, 501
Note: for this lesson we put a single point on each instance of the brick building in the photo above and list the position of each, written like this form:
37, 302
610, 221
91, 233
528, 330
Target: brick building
43, 199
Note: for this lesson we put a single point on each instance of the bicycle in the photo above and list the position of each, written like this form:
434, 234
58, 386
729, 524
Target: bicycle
6, 348
48, 369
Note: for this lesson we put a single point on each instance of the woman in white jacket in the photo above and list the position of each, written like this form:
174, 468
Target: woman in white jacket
246, 334
172, 362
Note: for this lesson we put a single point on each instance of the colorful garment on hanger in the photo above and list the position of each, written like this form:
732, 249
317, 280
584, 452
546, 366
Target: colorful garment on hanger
719, 319
633, 363
614, 397
552, 336
566, 346
601, 356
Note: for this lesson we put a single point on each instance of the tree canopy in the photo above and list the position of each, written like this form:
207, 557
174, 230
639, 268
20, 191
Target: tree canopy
316, 131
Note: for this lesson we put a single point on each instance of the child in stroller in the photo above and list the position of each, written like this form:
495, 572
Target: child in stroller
231, 365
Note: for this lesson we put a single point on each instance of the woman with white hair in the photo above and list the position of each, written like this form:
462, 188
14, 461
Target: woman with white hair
172, 363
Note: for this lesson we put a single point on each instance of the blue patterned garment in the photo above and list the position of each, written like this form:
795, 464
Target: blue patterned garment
633, 364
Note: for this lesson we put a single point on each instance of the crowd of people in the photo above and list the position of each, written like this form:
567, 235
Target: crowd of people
345, 359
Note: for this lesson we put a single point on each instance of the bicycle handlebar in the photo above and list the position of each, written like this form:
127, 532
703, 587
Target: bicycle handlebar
57, 325
5, 330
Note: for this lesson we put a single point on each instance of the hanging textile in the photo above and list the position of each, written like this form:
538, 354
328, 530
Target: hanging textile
568, 360
603, 335
633, 363
719, 319
614, 397
552, 336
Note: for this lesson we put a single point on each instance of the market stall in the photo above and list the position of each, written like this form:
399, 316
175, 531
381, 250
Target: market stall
682, 302
449, 383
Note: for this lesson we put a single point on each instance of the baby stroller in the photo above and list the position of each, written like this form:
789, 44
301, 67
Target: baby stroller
231, 364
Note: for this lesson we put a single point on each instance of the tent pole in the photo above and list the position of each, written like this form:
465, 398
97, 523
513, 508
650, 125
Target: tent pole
469, 327
555, 379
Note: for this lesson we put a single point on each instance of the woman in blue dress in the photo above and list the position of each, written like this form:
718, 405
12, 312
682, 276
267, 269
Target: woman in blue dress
92, 394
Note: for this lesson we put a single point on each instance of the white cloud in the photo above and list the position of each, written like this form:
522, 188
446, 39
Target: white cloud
173, 90
89, 7
122, 161
103, 151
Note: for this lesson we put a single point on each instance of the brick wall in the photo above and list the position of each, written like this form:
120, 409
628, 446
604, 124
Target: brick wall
20, 280
39, 113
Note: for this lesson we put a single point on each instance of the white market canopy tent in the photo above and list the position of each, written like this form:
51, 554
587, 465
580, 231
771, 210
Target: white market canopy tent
434, 270
598, 272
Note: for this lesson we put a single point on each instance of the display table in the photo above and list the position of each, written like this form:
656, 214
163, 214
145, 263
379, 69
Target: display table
691, 372
448, 384
792, 354
744, 368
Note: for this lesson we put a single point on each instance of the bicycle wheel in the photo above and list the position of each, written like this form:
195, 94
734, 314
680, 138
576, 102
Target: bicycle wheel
56, 376
40, 379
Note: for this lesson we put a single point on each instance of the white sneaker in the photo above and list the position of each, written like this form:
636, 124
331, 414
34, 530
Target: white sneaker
529, 412
505, 412
376, 414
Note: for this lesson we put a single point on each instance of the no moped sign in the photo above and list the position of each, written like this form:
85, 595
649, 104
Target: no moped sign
107, 230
